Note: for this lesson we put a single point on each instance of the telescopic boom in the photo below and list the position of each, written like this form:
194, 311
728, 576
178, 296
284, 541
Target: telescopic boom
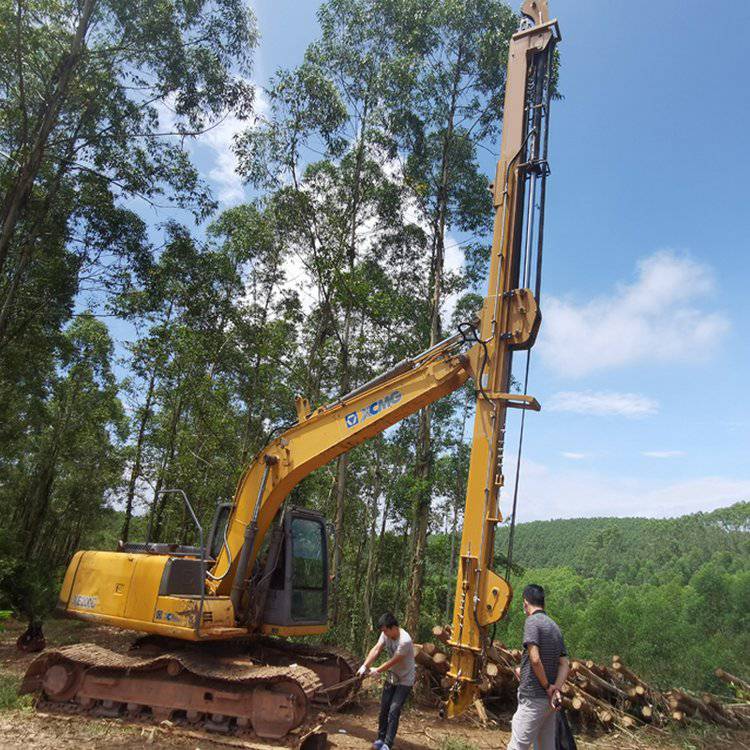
509, 321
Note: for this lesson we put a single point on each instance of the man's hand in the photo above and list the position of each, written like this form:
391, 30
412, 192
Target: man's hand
555, 697
363, 670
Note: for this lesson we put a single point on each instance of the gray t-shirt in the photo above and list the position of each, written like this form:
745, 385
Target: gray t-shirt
542, 630
404, 671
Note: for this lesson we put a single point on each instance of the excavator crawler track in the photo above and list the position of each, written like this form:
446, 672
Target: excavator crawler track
217, 691
332, 665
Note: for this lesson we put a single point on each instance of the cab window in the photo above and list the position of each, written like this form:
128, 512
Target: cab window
308, 570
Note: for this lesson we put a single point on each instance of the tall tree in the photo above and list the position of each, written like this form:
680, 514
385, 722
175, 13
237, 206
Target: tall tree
455, 105
82, 88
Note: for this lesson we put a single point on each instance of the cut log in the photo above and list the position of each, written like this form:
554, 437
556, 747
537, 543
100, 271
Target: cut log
678, 716
442, 633
499, 653
602, 686
428, 662
440, 658
698, 706
627, 674
647, 712
732, 680
600, 670
585, 684
429, 648
491, 669
629, 722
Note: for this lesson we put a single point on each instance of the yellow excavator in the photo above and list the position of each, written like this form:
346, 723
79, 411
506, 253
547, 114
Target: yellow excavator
215, 617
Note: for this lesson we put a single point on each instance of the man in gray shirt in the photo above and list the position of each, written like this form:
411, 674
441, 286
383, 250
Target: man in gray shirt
544, 669
401, 670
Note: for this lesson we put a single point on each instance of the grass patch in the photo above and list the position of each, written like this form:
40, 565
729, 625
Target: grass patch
9, 697
453, 743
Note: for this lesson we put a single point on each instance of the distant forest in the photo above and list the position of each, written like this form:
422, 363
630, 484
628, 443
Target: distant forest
671, 596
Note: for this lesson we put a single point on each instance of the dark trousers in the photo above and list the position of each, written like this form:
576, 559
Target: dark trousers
390, 711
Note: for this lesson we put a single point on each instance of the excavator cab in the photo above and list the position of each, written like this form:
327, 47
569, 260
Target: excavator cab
289, 584
298, 591
162, 588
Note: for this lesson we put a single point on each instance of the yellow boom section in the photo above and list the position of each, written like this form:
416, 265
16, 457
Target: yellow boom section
321, 436
509, 321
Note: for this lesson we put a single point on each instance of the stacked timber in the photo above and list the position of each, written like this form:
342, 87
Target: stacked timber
595, 695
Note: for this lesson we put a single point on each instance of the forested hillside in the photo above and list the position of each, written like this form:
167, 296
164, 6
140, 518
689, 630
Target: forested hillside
671, 596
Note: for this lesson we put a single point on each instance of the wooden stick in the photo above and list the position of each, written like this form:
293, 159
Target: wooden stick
732, 680
442, 633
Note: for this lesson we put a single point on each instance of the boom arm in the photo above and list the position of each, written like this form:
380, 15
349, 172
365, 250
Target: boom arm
318, 438
509, 321
482, 597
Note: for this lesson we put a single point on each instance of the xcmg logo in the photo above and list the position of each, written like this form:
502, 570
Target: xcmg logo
359, 416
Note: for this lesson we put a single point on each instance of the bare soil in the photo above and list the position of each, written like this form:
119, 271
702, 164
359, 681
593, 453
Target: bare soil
22, 726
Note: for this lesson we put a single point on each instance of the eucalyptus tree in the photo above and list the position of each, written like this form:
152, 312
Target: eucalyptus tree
52, 496
82, 88
339, 207
453, 108
208, 370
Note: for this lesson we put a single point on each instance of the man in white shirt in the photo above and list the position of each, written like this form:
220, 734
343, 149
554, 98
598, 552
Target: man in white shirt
401, 670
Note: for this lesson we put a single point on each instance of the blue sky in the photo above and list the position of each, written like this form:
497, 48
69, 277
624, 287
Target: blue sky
642, 363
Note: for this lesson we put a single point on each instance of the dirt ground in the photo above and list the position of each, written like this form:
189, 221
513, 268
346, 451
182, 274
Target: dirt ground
21, 726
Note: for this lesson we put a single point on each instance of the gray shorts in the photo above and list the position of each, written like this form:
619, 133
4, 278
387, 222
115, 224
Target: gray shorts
533, 725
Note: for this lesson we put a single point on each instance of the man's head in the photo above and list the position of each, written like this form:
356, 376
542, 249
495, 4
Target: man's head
388, 624
533, 598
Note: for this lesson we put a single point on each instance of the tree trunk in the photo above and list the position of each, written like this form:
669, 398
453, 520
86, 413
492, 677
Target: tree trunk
17, 195
345, 363
340, 487
421, 522
159, 503
136, 470
373, 560
423, 469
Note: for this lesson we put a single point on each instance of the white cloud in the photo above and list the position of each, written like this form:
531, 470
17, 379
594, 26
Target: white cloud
663, 454
602, 403
658, 317
574, 492
223, 173
573, 456
216, 146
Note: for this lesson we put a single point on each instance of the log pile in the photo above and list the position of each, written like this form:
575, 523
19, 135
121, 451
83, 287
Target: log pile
595, 695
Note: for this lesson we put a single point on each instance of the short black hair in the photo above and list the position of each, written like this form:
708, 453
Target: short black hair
387, 620
534, 594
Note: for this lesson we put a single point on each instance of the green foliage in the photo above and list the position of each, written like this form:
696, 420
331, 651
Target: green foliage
9, 697
364, 163
455, 743
670, 596
84, 93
